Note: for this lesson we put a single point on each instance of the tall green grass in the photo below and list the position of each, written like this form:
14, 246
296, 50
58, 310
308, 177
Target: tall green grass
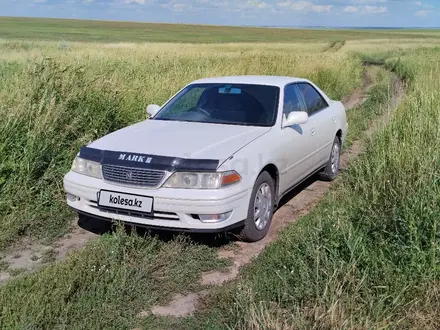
48, 111
368, 257
53, 100
106, 285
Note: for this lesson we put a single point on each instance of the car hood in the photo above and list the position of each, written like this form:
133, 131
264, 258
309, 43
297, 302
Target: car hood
181, 139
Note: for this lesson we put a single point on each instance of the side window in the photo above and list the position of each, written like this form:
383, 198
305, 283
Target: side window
292, 100
314, 101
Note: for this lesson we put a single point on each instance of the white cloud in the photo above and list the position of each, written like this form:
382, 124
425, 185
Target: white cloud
283, 4
422, 4
422, 13
367, 9
363, 2
181, 7
257, 4
141, 2
375, 10
217, 4
305, 6
351, 9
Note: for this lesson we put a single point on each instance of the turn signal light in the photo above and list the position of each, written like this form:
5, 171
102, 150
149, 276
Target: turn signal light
229, 178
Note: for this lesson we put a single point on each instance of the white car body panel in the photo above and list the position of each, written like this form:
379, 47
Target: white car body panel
181, 139
296, 152
328, 121
300, 153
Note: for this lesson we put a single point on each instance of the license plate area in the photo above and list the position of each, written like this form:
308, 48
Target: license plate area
127, 202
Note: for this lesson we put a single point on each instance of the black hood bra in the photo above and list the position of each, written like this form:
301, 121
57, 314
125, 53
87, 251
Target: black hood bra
154, 162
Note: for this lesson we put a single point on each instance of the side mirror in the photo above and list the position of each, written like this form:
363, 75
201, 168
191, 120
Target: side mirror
295, 118
152, 109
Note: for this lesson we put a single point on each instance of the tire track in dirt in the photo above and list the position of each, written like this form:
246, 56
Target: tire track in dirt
293, 206
334, 46
360, 94
30, 256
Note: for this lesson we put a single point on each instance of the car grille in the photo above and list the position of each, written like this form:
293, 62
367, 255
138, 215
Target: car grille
132, 176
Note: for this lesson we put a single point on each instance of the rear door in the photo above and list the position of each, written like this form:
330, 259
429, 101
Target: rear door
297, 148
324, 118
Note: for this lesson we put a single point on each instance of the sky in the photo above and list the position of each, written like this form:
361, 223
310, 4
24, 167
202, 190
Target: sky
332, 13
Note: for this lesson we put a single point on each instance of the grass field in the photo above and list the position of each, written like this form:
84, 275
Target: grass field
61, 99
368, 257
107, 31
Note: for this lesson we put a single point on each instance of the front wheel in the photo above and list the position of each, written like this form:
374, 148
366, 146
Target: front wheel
261, 207
331, 169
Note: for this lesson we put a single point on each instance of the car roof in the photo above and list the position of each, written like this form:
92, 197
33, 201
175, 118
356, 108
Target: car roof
279, 81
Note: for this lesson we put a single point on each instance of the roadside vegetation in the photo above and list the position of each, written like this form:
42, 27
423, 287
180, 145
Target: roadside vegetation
366, 257
105, 285
55, 100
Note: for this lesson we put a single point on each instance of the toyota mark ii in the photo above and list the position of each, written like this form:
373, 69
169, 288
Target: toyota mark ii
219, 155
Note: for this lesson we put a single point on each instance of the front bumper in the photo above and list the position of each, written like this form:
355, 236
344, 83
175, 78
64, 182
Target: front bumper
173, 209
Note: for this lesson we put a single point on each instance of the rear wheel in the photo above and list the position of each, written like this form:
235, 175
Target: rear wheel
331, 170
261, 207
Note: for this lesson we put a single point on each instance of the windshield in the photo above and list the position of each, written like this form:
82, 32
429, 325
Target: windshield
234, 104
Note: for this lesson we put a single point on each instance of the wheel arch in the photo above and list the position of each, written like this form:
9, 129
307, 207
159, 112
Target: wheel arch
339, 134
273, 171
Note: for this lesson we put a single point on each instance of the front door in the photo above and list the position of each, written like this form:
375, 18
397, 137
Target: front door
297, 148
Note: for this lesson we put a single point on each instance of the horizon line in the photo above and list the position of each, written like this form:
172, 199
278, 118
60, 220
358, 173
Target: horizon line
246, 25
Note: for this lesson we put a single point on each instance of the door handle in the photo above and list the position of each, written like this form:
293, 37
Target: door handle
334, 119
313, 131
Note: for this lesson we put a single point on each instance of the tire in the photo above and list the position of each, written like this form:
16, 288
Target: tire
331, 169
254, 228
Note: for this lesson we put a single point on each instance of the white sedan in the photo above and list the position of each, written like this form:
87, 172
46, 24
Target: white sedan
219, 155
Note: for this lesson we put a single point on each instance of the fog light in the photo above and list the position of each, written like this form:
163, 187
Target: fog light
209, 218
72, 198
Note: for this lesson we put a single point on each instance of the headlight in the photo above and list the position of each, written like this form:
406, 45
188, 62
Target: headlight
191, 180
87, 167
